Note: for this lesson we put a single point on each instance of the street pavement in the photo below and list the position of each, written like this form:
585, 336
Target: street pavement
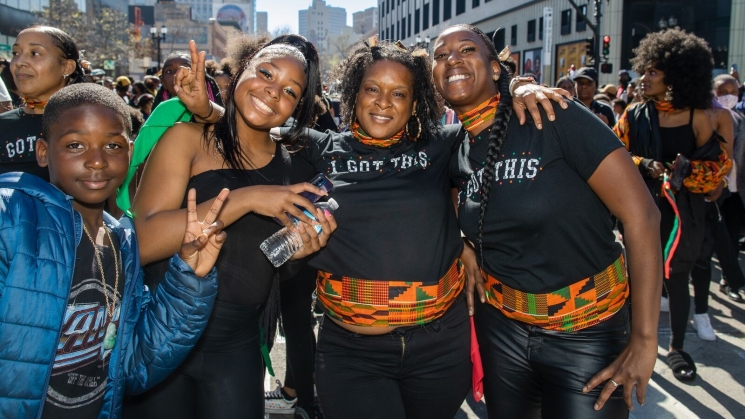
717, 392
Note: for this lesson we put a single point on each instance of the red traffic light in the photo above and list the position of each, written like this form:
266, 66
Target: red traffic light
606, 39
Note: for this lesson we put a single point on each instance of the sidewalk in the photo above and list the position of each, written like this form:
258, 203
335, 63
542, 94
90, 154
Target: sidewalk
717, 392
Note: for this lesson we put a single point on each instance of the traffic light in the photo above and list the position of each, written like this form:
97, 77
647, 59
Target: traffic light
590, 49
606, 45
606, 68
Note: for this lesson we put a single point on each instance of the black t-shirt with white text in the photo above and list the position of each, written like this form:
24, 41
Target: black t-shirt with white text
396, 219
81, 365
544, 227
18, 134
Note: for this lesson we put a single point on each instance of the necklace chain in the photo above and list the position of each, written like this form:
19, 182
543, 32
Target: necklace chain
109, 308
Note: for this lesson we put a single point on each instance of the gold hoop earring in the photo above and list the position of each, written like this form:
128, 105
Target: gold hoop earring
419, 131
669, 94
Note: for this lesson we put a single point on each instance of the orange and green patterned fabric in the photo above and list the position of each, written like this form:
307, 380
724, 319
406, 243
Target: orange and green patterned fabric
374, 303
578, 306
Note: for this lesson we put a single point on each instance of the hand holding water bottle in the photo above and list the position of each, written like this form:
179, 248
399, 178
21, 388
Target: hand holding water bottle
302, 239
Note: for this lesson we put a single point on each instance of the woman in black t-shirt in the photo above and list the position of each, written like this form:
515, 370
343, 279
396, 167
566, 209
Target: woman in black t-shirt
45, 59
537, 205
223, 376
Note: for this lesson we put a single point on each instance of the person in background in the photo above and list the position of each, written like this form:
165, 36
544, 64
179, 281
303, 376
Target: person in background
171, 65
152, 84
145, 105
45, 59
603, 98
623, 83
6, 75
619, 105
609, 90
632, 93
668, 126
732, 210
567, 84
138, 89
585, 84
122, 88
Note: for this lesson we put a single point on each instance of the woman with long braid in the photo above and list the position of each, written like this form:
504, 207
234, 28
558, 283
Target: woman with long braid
537, 204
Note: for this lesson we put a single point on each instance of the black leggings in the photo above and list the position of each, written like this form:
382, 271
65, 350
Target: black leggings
532, 373
223, 376
716, 240
413, 372
296, 295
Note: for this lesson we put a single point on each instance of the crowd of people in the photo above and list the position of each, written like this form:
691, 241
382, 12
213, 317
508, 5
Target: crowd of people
455, 250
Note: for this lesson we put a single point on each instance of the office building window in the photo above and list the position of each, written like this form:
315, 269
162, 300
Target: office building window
499, 39
513, 35
566, 22
460, 7
408, 28
435, 12
425, 17
540, 29
403, 28
417, 18
581, 25
475, 4
447, 9
531, 30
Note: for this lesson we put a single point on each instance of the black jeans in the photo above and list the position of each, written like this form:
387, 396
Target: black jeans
223, 376
530, 372
413, 372
296, 296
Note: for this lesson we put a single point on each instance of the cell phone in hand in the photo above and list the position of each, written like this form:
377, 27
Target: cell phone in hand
681, 169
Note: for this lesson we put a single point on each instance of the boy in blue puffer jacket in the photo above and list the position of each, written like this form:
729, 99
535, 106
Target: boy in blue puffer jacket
77, 328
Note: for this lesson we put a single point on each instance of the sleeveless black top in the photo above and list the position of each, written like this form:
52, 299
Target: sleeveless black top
244, 273
678, 140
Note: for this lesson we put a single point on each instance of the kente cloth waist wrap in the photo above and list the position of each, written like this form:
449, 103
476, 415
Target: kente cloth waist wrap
580, 305
379, 303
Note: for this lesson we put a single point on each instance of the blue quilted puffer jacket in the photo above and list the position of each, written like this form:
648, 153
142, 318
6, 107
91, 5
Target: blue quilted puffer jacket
39, 234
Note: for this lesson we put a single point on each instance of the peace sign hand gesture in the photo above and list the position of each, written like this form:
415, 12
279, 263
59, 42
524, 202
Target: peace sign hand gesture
190, 86
202, 240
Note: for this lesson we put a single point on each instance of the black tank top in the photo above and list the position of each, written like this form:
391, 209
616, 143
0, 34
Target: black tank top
678, 140
244, 273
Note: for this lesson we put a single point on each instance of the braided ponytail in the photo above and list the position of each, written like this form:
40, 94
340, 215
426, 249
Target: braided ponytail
496, 139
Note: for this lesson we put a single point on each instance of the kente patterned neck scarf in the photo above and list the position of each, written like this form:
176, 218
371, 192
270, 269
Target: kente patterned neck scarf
483, 113
663, 106
364, 138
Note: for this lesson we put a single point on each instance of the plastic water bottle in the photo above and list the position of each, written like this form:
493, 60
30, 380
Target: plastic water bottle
280, 246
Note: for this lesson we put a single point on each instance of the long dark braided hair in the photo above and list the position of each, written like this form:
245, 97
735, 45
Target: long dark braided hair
498, 129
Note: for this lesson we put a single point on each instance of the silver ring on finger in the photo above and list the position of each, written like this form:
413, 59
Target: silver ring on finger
615, 384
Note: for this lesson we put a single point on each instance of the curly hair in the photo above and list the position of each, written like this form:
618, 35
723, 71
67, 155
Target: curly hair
687, 62
351, 71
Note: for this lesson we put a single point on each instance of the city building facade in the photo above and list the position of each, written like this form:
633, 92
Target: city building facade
521, 25
321, 20
365, 21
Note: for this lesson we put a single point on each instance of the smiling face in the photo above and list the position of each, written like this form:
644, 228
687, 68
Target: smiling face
87, 153
385, 101
269, 91
651, 83
463, 70
38, 66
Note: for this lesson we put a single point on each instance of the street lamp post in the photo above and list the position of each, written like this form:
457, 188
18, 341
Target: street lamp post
158, 34
421, 43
